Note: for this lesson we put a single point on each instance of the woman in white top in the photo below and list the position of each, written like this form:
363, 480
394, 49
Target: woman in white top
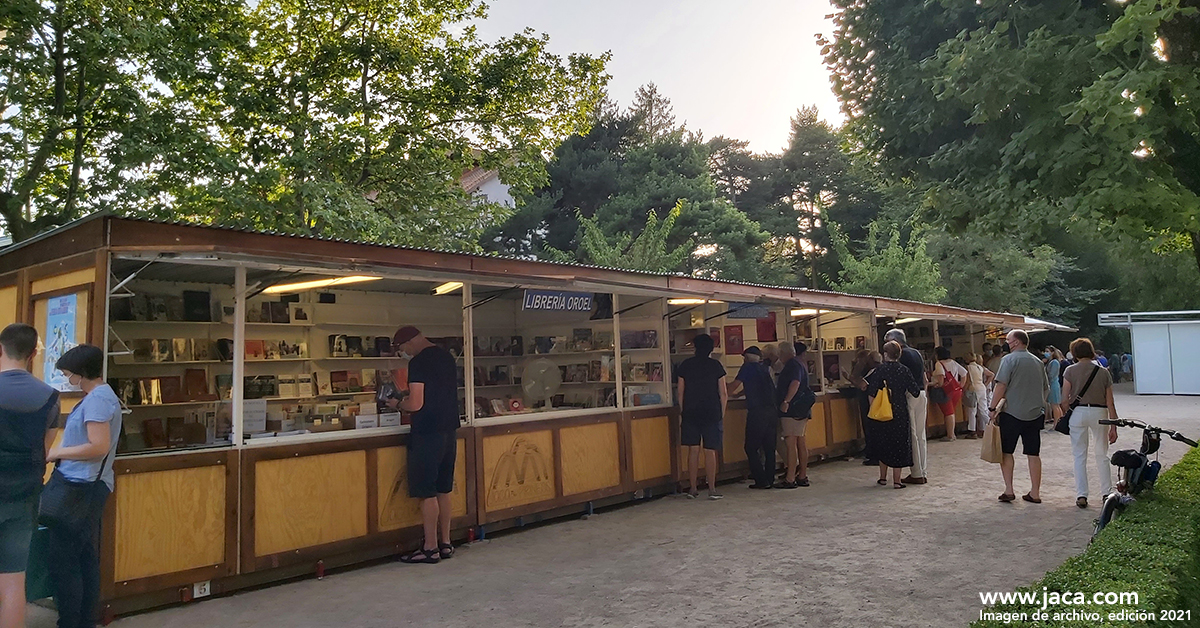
946, 365
1095, 402
975, 399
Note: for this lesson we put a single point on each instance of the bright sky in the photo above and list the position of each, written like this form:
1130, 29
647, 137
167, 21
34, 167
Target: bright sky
739, 69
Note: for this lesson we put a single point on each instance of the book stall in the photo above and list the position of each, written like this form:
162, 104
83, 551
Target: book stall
261, 439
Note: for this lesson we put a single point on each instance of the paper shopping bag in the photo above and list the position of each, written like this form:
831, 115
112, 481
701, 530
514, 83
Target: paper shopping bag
991, 450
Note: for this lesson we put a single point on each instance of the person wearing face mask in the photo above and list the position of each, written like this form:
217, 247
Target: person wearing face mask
84, 459
432, 447
1053, 360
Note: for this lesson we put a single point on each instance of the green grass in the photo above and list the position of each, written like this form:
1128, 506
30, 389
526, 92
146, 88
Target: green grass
1153, 548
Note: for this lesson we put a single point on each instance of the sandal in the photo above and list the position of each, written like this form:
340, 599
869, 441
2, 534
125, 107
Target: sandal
426, 556
693, 495
881, 481
1030, 499
446, 550
899, 485
1008, 497
786, 484
802, 482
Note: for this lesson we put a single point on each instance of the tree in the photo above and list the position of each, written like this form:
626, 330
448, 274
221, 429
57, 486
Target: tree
1060, 113
890, 269
654, 112
347, 119
79, 111
987, 272
649, 251
612, 176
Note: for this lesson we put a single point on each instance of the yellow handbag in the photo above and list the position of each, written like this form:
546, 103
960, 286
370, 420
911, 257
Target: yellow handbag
881, 408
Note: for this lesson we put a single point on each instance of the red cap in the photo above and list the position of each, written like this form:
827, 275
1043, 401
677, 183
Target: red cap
404, 334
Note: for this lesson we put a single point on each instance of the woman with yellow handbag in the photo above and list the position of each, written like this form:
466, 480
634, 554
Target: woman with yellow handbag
888, 428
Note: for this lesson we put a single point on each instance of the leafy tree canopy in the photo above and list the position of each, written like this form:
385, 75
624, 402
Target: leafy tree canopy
1062, 112
349, 119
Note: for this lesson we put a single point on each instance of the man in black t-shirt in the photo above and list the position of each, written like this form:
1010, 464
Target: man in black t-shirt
918, 408
703, 397
433, 403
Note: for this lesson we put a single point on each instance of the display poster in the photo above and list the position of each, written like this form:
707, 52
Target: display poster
765, 328
733, 340
60, 337
254, 416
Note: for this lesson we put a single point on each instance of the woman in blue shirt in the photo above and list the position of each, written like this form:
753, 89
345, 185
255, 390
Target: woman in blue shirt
84, 457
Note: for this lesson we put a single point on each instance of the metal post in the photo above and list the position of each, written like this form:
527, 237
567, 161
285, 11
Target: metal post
469, 351
620, 367
239, 351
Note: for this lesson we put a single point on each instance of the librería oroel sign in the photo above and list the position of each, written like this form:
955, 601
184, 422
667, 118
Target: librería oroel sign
554, 300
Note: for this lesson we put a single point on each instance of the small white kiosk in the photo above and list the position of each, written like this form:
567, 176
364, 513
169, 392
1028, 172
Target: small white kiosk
1163, 345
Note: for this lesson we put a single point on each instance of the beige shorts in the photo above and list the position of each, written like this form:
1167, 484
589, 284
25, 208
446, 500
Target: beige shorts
793, 427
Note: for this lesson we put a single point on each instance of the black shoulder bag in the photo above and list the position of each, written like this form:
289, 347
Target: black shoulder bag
1064, 424
71, 504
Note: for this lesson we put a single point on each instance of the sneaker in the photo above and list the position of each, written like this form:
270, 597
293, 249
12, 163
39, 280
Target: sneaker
911, 480
715, 496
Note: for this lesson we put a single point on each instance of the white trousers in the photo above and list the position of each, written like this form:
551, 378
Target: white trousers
977, 417
918, 409
1085, 427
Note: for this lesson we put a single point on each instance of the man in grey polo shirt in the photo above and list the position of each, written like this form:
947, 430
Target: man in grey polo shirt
1021, 386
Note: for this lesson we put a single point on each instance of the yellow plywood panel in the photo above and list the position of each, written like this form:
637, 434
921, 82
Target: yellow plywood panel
651, 448
65, 280
734, 438
845, 420
591, 457
8, 306
169, 521
40, 308
815, 435
518, 469
398, 510
308, 501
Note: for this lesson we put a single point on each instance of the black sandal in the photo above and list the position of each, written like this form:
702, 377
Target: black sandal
899, 485
446, 550
426, 556
881, 482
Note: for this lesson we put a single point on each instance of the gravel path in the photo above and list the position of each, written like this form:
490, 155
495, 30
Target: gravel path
844, 552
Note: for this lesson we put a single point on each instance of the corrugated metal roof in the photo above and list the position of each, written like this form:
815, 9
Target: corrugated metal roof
486, 254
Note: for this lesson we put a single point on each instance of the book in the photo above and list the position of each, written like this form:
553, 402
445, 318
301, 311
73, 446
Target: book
182, 348
279, 312
354, 381
224, 349
150, 391
502, 374
224, 383
163, 350
195, 384
153, 433
157, 308
594, 371
202, 350
197, 305
339, 382
765, 328
383, 347
654, 371
143, 350
337, 346
370, 349
304, 385
581, 339
255, 350
603, 340
288, 386
260, 386
499, 406
270, 350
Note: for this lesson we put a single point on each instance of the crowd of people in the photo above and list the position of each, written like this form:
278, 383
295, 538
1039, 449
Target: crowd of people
1022, 393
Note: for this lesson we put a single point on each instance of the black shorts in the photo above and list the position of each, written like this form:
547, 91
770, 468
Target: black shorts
692, 434
16, 533
1030, 433
431, 464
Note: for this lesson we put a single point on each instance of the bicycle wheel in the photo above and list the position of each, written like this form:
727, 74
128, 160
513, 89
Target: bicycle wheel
1107, 512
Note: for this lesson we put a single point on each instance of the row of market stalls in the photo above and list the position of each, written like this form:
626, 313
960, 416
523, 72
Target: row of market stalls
255, 370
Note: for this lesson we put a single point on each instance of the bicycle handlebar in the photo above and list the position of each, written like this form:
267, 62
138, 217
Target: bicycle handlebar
1149, 428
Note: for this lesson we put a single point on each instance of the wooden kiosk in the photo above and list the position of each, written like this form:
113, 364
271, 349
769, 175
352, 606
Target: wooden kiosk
255, 447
